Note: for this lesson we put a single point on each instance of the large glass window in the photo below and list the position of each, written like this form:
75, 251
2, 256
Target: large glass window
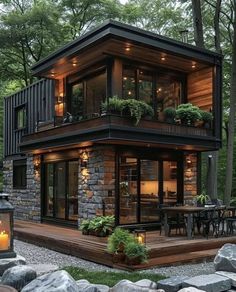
95, 93
170, 182
145, 86
19, 174
169, 91
77, 100
129, 81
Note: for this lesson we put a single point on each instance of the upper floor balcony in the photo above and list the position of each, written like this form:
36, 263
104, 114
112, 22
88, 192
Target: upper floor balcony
141, 69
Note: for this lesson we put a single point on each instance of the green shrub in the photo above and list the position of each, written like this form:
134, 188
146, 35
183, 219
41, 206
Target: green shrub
188, 113
115, 105
170, 113
136, 250
206, 117
118, 240
100, 226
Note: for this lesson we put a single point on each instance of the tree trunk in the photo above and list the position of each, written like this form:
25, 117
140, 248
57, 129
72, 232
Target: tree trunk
231, 125
197, 23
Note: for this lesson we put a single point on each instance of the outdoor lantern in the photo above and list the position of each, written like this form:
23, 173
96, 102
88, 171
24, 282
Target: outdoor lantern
6, 228
140, 234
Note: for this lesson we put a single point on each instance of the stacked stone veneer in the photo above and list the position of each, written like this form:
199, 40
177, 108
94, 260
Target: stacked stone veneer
26, 201
190, 176
97, 183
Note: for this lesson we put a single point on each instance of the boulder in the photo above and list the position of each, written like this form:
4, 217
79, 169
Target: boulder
146, 283
11, 262
18, 276
59, 281
209, 283
4, 288
84, 285
225, 259
190, 289
231, 276
128, 286
172, 284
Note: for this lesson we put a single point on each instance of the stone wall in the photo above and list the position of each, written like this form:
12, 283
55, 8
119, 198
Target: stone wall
26, 201
96, 194
190, 176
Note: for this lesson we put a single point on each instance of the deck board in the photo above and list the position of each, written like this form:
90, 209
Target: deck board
162, 250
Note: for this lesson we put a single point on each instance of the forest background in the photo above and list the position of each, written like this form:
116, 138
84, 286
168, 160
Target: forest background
31, 29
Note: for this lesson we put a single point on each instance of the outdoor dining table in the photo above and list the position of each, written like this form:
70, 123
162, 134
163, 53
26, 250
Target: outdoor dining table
189, 211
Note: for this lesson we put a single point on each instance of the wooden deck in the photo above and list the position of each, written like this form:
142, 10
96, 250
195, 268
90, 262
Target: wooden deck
163, 250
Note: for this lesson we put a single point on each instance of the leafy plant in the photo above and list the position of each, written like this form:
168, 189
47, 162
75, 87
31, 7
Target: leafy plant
202, 198
206, 117
170, 114
131, 107
101, 225
118, 240
188, 113
136, 250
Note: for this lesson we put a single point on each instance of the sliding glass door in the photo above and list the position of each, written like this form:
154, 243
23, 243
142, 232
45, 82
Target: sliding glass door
144, 185
60, 187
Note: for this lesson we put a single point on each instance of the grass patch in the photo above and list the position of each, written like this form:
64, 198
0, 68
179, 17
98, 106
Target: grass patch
109, 278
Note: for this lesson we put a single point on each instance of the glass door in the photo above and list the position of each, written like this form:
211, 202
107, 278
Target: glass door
128, 188
149, 190
169, 182
61, 190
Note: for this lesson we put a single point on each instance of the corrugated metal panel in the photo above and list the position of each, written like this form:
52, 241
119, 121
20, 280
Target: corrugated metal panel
39, 101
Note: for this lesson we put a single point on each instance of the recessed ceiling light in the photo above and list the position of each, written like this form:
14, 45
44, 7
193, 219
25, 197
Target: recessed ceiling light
163, 58
52, 74
193, 65
127, 49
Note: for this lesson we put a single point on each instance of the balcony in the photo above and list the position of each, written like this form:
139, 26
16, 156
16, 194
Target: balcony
116, 129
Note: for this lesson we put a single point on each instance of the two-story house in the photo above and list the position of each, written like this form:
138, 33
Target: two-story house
66, 159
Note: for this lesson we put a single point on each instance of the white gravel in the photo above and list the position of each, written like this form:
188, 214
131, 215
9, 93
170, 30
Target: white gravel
40, 255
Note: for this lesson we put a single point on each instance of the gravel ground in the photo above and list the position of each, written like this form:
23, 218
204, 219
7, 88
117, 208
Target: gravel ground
39, 255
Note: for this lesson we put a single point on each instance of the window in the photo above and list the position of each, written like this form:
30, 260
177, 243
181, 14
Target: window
19, 174
20, 117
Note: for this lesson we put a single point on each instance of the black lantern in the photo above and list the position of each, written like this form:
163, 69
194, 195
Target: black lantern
6, 228
140, 235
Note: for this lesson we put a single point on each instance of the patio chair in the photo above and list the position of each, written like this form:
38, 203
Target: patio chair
205, 220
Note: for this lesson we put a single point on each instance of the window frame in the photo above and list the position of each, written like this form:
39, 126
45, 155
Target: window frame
17, 110
18, 166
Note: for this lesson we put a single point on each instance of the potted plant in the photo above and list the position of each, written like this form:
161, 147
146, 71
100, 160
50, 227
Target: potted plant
101, 226
135, 253
117, 242
202, 199
113, 105
148, 112
207, 118
170, 114
84, 227
188, 113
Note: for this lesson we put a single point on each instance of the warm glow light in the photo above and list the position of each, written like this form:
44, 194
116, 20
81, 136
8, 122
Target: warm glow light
163, 58
129, 92
193, 65
74, 64
127, 49
140, 236
125, 78
4, 240
52, 74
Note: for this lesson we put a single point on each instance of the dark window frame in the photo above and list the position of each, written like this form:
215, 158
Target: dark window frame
20, 174
17, 111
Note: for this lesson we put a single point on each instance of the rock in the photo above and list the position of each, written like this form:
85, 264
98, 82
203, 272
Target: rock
128, 286
11, 262
231, 276
84, 285
172, 284
42, 269
53, 282
146, 283
209, 283
4, 288
190, 289
225, 260
18, 276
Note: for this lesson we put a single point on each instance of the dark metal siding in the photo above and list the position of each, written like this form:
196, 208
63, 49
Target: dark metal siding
39, 101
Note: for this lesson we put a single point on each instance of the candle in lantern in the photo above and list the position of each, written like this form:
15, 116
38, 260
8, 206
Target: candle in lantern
140, 239
4, 240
